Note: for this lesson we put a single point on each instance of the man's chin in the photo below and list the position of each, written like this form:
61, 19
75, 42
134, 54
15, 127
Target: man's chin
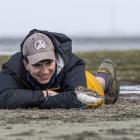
43, 81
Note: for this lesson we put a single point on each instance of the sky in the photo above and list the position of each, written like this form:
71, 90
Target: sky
72, 17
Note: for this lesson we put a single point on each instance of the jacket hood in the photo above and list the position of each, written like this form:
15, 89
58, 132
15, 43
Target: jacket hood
14, 65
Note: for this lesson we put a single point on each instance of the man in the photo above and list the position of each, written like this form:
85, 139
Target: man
46, 72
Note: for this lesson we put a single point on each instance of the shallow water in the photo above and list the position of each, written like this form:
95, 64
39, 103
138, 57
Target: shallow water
77, 45
130, 92
130, 89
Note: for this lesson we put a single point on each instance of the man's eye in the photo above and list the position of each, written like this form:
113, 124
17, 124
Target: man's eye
49, 62
36, 65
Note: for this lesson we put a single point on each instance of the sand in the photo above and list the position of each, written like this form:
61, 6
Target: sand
118, 122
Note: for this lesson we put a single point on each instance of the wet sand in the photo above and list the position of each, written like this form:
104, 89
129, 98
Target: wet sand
118, 122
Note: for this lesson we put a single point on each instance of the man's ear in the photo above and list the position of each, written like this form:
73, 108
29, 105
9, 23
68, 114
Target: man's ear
26, 65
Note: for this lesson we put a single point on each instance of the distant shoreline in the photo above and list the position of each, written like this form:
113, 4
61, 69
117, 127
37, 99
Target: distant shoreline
83, 46
11, 45
94, 39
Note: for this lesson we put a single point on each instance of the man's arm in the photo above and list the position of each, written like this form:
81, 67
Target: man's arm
20, 98
13, 96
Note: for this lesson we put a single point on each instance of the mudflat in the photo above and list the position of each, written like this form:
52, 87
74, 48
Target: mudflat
118, 121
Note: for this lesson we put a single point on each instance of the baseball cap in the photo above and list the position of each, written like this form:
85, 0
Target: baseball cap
38, 47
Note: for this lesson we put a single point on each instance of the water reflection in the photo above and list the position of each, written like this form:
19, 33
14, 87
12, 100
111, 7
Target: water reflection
130, 92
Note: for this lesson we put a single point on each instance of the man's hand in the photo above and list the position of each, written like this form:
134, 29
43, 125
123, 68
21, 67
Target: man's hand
49, 93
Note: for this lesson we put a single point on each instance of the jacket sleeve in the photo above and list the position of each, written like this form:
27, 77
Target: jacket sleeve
12, 96
73, 78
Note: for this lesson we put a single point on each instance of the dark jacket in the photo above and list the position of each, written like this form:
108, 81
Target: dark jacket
17, 92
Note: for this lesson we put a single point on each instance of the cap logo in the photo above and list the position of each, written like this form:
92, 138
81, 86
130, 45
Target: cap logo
39, 44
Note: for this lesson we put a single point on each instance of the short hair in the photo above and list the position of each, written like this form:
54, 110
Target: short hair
26, 59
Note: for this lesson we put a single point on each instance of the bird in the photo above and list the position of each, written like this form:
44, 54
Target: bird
89, 98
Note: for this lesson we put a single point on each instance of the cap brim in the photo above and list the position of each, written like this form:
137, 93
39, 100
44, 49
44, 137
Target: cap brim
35, 58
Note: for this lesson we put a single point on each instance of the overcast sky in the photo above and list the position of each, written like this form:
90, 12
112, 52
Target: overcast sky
73, 17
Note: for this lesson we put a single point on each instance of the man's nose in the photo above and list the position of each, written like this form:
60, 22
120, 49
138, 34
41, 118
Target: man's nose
45, 69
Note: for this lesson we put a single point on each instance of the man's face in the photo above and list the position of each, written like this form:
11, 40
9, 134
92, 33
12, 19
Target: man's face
42, 71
